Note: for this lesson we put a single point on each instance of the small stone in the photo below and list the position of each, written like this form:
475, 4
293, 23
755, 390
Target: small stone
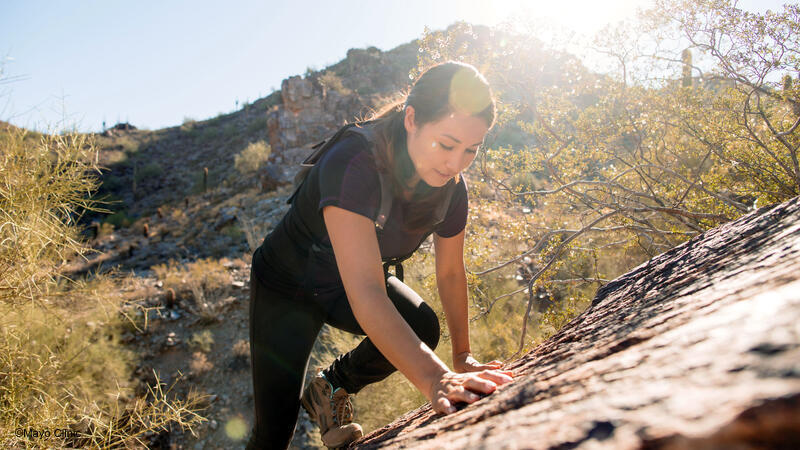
172, 339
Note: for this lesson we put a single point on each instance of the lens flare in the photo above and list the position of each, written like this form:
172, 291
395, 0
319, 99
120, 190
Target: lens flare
468, 94
236, 428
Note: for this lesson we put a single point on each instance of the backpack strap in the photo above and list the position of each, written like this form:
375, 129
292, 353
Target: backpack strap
363, 129
320, 148
386, 190
439, 214
441, 210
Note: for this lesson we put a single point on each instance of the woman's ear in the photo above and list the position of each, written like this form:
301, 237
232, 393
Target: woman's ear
408, 121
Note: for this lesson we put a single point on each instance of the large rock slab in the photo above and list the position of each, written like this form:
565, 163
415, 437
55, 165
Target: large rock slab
697, 348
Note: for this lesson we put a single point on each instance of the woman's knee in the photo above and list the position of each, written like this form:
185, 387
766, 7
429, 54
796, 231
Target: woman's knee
421, 317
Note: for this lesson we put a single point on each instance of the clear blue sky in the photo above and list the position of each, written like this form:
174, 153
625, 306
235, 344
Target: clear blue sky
154, 63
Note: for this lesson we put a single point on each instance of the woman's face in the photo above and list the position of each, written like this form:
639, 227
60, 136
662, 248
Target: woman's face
442, 149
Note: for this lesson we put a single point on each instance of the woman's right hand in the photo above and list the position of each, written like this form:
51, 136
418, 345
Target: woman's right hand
453, 387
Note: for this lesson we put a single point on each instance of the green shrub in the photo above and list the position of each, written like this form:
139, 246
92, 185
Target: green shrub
230, 131
256, 126
252, 157
112, 182
189, 127
188, 124
202, 341
119, 219
209, 133
234, 232
149, 170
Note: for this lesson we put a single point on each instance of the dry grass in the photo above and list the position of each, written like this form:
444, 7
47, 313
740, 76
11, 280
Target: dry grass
207, 280
62, 366
254, 233
43, 186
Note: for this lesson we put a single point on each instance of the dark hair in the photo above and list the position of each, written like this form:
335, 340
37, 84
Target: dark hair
442, 89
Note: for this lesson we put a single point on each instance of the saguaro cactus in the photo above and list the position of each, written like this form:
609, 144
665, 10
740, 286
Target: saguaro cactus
170, 298
133, 180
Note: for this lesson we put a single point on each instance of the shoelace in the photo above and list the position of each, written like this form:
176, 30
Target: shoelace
342, 409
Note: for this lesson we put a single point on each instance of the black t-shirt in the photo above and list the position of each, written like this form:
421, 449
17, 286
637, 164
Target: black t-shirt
346, 176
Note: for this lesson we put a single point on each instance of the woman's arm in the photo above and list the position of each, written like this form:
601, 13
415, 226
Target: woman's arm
355, 247
451, 279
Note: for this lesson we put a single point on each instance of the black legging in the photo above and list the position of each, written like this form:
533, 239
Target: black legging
283, 328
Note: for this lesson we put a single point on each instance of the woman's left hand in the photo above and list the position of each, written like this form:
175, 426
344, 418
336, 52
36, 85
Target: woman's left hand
464, 362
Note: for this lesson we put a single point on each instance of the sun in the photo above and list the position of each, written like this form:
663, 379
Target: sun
586, 16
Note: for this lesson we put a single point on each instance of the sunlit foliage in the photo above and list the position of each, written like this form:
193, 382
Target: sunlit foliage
590, 174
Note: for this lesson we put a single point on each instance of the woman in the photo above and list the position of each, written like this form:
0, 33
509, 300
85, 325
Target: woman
322, 264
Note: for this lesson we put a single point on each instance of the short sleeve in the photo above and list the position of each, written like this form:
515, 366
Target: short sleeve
348, 177
456, 218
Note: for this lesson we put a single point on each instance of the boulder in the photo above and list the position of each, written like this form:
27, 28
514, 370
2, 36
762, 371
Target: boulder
272, 176
697, 348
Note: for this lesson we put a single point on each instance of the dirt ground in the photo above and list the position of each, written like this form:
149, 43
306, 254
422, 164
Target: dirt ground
187, 353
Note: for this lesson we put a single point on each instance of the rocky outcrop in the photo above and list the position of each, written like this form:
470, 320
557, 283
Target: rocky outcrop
697, 348
305, 114
118, 129
310, 109
313, 106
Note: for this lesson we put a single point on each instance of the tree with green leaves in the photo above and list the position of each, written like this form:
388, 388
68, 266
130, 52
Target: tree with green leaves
595, 173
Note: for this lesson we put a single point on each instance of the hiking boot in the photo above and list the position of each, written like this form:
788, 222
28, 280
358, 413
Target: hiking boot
332, 410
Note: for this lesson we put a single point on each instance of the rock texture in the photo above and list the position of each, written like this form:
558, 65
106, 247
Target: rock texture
697, 348
311, 108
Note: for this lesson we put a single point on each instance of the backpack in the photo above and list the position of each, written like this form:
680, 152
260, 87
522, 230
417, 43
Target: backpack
322, 147
385, 207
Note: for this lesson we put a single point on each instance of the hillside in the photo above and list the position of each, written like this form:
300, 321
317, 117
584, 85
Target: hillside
157, 177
